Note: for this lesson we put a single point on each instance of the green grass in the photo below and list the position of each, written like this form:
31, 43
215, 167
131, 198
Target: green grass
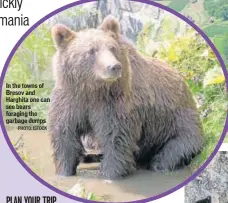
178, 5
220, 43
216, 29
165, 3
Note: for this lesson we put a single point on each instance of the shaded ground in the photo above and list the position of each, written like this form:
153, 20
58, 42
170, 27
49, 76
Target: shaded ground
213, 181
142, 185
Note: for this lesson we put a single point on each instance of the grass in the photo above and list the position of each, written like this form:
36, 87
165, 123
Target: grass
216, 29
178, 5
165, 3
220, 43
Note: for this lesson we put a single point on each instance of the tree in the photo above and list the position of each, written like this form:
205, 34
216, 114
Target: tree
213, 6
222, 12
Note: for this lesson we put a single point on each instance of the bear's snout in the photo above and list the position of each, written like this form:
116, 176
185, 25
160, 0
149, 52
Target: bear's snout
115, 68
114, 71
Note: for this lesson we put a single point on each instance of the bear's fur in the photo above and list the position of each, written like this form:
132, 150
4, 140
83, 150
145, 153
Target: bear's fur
141, 110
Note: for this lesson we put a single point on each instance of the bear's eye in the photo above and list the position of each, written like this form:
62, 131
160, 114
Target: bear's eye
113, 49
92, 51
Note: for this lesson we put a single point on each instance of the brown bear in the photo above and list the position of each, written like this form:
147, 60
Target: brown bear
140, 109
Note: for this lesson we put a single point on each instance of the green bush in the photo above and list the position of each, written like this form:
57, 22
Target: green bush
222, 12
212, 5
216, 8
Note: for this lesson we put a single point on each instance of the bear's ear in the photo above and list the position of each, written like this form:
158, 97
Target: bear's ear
111, 23
62, 35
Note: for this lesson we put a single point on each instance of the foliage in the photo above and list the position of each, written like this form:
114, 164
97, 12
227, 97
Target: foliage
222, 12
150, 37
31, 65
218, 30
212, 6
148, 29
191, 55
215, 27
214, 76
219, 36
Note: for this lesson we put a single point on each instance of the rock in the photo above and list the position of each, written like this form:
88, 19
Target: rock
132, 16
193, 1
214, 182
131, 26
77, 190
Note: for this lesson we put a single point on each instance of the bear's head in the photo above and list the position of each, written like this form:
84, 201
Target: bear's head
89, 55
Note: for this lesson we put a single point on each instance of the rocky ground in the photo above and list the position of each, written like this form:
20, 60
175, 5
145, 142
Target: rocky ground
213, 181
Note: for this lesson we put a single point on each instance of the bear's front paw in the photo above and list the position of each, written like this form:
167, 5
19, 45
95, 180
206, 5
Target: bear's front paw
159, 165
112, 173
115, 175
65, 174
65, 171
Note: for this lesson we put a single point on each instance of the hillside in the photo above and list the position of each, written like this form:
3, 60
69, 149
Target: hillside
210, 15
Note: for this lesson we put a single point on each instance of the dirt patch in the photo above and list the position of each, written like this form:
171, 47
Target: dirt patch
141, 185
213, 181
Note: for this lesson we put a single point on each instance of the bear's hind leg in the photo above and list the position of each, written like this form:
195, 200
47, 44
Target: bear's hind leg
180, 149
